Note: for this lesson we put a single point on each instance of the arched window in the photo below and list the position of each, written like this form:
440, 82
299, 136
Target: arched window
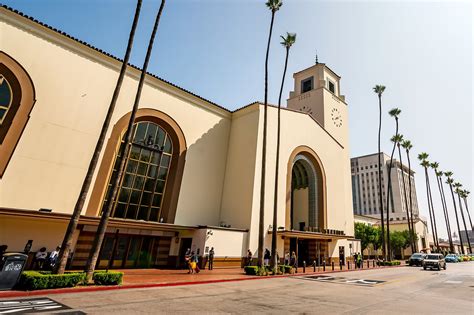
142, 186
17, 97
6, 97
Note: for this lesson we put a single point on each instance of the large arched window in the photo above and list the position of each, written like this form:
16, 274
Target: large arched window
142, 186
17, 97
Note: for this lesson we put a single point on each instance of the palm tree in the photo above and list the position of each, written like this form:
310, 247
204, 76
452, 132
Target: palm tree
287, 42
274, 6
410, 227
450, 182
466, 193
426, 164
74, 220
439, 180
379, 89
406, 144
457, 191
394, 139
121, 159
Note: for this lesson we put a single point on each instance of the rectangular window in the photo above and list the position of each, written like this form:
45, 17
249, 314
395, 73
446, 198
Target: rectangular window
331, 86
306, 85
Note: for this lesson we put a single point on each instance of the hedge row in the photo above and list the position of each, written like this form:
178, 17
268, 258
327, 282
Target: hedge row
35, 280
264, 271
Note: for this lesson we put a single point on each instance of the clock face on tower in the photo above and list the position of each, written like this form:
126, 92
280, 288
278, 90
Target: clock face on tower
336, 117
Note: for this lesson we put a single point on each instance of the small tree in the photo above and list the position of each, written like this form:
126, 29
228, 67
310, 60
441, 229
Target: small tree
399, 240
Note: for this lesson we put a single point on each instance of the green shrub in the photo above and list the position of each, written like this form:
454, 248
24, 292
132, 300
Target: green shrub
251, 270
107, 278
34, 280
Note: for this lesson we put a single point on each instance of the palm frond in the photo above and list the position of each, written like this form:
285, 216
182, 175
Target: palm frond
423, 156
379, 89
289, 40
274, 5
406, 144
395, 112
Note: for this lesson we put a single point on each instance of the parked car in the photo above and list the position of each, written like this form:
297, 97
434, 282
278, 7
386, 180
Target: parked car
416, 259
459, 257
451, 258
434, 261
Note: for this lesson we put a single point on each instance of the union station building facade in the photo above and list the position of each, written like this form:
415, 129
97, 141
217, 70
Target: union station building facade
192, 177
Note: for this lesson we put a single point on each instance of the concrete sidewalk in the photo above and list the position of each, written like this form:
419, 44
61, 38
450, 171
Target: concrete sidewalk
146, 278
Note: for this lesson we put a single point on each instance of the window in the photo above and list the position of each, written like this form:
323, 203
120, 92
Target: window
306, 85
331, 86
6, 97
142, 186
17, 98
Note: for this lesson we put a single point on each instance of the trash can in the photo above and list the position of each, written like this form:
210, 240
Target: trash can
12, 265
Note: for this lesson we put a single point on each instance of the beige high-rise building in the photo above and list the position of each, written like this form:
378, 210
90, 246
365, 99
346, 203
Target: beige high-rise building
365, 187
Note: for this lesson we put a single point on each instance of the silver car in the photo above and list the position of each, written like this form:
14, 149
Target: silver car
434, 261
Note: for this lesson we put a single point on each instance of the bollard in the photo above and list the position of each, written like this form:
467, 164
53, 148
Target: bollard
373, 263
348, 265
314, 266
340, 265
368, 266
332, 265
324, 265
304, 266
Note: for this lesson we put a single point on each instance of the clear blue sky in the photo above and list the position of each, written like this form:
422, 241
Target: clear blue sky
422, 52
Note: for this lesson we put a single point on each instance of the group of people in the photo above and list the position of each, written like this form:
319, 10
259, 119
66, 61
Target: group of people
192, 260
43, 261
290, 260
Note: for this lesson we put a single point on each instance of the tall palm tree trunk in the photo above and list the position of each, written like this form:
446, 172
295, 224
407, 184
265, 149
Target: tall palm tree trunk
275, 201
382, 222
261, 223
465, 226
99, 237
67, 241
429, 206
389, 194
432, 211
457, 219
468, 214
410, 228
445, 210
411, 200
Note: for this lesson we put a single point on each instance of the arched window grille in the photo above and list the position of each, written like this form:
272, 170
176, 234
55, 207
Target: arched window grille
143, 184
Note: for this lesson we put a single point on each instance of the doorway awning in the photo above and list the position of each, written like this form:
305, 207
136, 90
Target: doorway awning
311, 235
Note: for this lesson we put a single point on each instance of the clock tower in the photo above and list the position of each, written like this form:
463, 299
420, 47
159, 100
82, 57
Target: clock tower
317, 93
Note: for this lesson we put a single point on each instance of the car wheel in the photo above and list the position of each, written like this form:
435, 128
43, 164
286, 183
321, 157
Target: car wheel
444, 267
424, 267
439, 267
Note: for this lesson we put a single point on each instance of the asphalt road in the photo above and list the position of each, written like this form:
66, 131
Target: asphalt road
405, 290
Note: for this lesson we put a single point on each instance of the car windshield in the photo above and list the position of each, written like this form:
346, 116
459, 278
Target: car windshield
434, 257
451, 256
417, 255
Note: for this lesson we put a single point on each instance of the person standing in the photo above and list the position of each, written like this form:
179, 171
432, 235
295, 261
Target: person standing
40, 258
211, 259
294, 260
266, 257
53, 257
249, 258
287, 259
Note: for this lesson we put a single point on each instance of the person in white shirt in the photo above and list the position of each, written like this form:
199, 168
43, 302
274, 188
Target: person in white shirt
53, 257
40, 258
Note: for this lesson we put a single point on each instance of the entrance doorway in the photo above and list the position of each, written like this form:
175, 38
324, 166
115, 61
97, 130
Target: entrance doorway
309, 250
185, 244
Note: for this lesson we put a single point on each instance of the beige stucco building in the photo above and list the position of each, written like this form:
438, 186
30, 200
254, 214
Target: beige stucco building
193, 175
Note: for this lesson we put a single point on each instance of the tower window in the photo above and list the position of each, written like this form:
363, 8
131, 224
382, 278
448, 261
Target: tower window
331, 86
307, 85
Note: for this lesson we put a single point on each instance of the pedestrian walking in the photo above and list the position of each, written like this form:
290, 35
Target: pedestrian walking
294, 260
211, 259
187, 260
